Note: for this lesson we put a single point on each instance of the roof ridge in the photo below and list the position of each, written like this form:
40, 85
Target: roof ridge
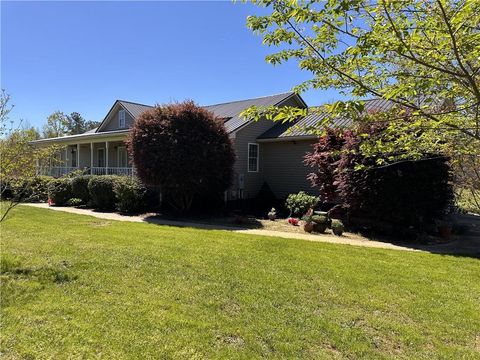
258, 97
135, 103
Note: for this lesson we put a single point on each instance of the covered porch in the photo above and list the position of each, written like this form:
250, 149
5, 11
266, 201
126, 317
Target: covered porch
108, 157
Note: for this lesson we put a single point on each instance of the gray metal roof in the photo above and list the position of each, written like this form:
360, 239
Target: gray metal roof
230, 111
315, 117
134, 109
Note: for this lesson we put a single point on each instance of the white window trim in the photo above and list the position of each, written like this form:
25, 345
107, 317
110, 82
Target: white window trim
118, 156
120, 119
248, 157
98, 157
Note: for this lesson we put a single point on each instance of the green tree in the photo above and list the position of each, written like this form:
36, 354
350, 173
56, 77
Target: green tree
422, 55
76, 124
18, 158
57, 125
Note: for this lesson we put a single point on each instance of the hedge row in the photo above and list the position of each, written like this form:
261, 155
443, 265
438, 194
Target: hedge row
101, 192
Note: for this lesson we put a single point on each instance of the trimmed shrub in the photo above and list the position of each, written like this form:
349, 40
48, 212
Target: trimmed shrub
129, 194
298, 204
74, 202
30, 190
183, 149
80, 188
60, 191
101, 191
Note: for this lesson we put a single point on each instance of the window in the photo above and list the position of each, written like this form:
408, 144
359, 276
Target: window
122, 157
252, 157
101, 157
121, 119
74, 157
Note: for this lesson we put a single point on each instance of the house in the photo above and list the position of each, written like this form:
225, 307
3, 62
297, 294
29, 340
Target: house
265, 151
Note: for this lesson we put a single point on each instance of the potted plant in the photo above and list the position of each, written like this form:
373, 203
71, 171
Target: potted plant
337, 227
272, 215
309, 224
320, 223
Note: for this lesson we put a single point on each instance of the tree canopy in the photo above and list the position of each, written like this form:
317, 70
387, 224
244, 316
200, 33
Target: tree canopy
421, 55
185, 150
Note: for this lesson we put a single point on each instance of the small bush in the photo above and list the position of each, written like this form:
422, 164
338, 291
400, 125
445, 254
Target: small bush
29, 190
74, 202
101, 191
80, 188
130, 194
60, 191
298, 204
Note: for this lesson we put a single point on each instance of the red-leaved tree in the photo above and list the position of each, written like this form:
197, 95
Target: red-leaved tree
184, 149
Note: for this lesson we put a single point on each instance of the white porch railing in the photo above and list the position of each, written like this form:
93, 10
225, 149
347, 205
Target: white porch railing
59, 171
124, 171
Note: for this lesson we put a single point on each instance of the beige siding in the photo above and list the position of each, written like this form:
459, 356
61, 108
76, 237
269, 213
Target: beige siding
112, 121
282, 167
249, 134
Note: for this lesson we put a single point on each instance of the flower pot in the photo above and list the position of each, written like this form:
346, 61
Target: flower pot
337, 231
320, 227
308, 227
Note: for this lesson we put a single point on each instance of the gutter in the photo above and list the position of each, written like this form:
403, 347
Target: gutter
288, 138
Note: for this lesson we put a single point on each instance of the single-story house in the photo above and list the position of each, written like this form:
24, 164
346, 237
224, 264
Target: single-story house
265, 151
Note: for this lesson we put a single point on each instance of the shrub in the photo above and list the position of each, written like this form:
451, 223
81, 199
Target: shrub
129, 194
298, 204
184, 149
397, 197
34, 189
60, 191
80, 188
101, 191
74, 202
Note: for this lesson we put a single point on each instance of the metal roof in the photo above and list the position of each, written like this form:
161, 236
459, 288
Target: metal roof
315, 117
230, 111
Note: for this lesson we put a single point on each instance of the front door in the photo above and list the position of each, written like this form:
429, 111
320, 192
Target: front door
122, 157
101, 157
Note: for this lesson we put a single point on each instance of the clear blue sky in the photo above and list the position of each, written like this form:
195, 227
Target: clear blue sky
82, 56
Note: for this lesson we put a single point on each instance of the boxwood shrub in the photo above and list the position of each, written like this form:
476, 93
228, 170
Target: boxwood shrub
60, 191
80, 188
101, 191
298, 204
130, 194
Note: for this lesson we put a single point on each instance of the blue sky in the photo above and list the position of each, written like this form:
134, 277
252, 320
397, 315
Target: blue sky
82, 56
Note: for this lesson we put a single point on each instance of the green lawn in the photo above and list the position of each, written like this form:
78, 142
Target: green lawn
79, 287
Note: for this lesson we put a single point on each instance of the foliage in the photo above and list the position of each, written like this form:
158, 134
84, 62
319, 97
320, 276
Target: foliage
60, 191
130, 194
324, 161
32, 190
57, 125
215, 278
18, 158
74, 202
298, 204
80, 188
101, 191
183, 149
76, 124
421, 56
337, 227
467, 182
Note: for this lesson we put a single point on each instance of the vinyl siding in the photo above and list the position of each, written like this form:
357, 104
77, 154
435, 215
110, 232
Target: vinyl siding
283, 169
112, 121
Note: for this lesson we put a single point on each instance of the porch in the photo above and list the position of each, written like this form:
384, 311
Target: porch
93, 158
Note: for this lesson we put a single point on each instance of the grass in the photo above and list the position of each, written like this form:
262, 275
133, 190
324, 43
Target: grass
78, 287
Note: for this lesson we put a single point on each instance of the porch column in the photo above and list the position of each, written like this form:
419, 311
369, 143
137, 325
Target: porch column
91, 158
65, 163
78, 156
106, 157
37, 164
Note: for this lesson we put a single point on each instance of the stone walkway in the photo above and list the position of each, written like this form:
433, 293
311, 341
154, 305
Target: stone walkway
347, 239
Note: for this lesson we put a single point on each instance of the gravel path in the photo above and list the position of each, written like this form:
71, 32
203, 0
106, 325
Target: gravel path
347, 239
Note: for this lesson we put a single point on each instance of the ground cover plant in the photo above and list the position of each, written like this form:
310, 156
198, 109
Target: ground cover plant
77, 286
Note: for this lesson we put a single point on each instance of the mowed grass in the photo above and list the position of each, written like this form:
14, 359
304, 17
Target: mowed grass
78, 287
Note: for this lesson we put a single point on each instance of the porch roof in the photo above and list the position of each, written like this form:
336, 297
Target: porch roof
85, 137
